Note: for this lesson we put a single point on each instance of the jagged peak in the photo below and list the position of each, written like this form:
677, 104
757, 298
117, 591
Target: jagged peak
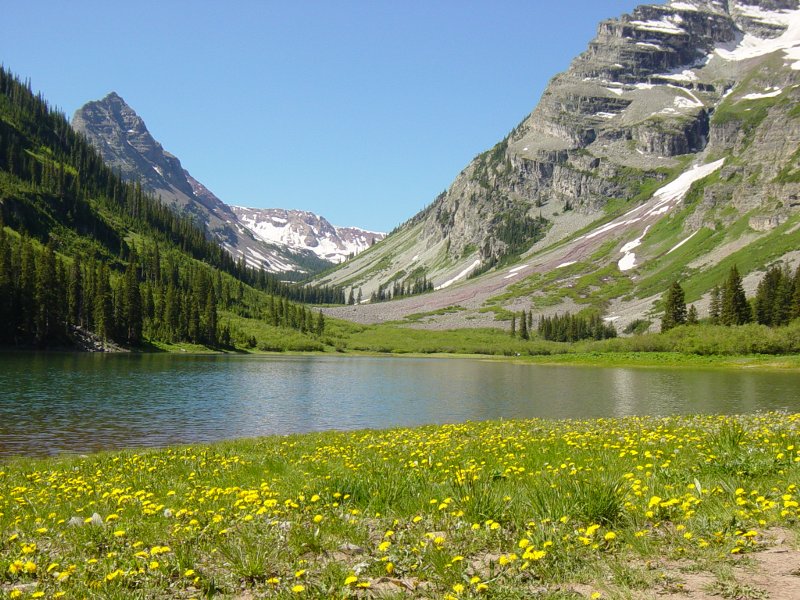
113, 96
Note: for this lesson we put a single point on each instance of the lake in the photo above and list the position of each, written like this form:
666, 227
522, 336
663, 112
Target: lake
52, 403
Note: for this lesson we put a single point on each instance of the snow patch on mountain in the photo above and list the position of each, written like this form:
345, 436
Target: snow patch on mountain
751, 46
303, 230
460, 276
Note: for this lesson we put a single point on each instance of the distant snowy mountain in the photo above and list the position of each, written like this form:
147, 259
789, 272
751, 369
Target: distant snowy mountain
304, 230
302, 242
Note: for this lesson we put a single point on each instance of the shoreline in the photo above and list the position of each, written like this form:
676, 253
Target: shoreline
648, 360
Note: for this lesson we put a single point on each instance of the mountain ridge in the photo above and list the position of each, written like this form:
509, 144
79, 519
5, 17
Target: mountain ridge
657, 92
125, 143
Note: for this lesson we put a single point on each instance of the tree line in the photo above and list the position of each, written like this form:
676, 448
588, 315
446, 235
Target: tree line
398, 289
776, 302
563, 328
44, 298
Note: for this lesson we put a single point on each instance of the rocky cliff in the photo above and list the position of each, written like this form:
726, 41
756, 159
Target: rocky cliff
657, 92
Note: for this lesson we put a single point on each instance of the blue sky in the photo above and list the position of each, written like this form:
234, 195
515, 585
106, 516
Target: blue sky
360, 111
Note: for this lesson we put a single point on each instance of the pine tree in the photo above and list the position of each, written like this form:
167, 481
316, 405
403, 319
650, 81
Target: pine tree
321, 323
767, 294
523, 326
795, 311
75, 294
734, 309
513, 325
26, 289
211, 318
715, 305
48, 321
6, 288
691, 315
674, 307
132, 305
782, 310
103, 305
172, 312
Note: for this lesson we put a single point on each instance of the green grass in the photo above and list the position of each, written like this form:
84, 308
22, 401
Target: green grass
498, 509
433, 313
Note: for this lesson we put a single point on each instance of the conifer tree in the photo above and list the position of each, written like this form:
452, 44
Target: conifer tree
514, 325
211, 318
767, 294
734, 309
6, 287
172, 324
674, 307
75, 294
103, 305
320, 323
715, 305
132, 313
26, 290
795, 311
691, 315
523, 326
782, 310
46, 298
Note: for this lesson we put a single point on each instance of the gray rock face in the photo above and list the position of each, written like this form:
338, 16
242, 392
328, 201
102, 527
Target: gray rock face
641, 96
126, 145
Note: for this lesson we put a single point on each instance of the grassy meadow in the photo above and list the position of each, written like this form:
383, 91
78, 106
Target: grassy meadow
503, 509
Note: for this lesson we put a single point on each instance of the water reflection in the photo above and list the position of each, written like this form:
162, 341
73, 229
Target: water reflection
79, 403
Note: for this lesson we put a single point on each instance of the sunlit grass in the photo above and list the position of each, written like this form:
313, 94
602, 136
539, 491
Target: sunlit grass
494, 509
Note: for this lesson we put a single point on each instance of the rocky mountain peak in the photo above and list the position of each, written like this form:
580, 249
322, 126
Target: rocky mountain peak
126, 145
277, 240
693, 92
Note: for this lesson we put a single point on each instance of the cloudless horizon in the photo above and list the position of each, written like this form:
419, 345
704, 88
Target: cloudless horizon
359, 111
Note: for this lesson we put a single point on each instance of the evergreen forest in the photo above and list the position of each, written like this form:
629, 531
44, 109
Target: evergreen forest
85, 254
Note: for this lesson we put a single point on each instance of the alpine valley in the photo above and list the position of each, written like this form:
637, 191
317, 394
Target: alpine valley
277, 240
670, 149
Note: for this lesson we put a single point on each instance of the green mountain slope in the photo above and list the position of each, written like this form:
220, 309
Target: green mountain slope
87, 258
685, 112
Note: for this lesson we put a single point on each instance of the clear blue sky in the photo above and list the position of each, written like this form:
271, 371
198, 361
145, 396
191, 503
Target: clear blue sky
360, 111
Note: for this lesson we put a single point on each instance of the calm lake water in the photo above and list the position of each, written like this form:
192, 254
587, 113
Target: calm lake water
53, 403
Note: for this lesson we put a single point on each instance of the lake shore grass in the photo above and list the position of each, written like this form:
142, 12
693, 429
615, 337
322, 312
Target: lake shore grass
605, 508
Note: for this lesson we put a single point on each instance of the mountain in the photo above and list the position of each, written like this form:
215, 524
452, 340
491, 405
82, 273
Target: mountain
667, 150
124, 142
303, 229
88, 259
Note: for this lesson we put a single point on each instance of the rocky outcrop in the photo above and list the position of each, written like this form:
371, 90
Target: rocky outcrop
641, 95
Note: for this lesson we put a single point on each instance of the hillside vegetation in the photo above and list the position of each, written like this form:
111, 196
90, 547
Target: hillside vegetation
83, 253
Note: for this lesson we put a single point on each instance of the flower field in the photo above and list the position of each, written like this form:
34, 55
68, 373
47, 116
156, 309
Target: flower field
502, 509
